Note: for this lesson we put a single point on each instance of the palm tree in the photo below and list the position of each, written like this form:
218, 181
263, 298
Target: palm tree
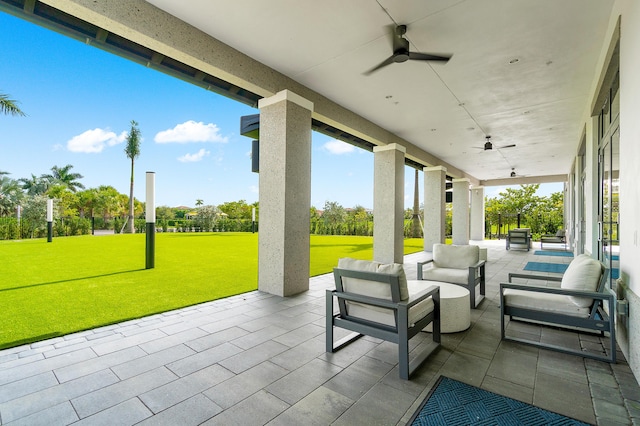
34, 185
133, 151
9, 106
63, 176
10, 195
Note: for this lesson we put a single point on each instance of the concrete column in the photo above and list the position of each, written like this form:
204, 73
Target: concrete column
435, 180
477, 214
460, 220
285, 194
388, 203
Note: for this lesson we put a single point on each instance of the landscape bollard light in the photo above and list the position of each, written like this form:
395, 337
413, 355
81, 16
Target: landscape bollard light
49, 219
253, 220
150, 216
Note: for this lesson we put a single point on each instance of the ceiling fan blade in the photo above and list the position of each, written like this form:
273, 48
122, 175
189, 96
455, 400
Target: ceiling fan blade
507, 146
427, 57
388, 61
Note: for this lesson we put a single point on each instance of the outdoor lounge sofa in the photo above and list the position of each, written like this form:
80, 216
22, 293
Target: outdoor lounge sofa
456, 264
558, 238
377, 300
581, 303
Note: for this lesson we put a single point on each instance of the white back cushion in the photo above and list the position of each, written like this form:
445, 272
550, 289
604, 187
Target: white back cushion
457, 257
373, 288
583, 273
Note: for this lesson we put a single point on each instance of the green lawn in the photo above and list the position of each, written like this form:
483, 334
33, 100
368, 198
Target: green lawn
77, 283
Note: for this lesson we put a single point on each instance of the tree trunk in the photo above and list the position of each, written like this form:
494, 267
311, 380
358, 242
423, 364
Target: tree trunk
416, 229
131, 229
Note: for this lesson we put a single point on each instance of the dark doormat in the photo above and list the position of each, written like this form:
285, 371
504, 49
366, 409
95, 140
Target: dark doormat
546, 267
451, 402
553, 253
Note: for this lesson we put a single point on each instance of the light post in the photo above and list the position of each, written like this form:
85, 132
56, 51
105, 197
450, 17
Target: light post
253, 220
150, 216
49, 219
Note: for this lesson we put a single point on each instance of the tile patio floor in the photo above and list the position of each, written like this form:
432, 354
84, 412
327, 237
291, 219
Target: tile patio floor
260, 359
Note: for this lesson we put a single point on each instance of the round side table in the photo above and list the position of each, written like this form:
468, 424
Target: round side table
455, 312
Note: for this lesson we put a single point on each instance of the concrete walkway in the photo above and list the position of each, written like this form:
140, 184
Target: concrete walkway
259, 359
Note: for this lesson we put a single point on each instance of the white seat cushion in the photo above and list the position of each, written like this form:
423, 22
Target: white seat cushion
448, 275
584, 274
556, 303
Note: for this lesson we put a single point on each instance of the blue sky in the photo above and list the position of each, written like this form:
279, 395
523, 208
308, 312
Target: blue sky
79, 101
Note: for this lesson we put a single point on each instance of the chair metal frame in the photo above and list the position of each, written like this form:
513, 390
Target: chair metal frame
401, 333
599, 319
519, 237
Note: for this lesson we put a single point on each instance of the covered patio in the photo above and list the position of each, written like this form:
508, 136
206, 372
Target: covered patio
259, 359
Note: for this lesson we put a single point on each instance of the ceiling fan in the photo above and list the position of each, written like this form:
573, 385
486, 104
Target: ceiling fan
488, 145
401, 52
513, 173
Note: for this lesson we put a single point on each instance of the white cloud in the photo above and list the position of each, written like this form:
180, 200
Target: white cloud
192, 158
94, 141
338, 147
190, 131
254, 189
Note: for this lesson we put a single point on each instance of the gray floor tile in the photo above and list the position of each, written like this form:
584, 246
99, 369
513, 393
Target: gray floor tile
93, 365
26, 386
551, 393
200, 360
150, 362
61, 414
176, 391
53, 396
245, 384
299, 383
252, 357
382, 405
129, 412
321, 407
96, 401
190, 412
258, 409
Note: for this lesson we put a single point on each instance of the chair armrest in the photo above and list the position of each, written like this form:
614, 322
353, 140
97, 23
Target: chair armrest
420, 265
422, 295
555, 290
479, 264
533, 277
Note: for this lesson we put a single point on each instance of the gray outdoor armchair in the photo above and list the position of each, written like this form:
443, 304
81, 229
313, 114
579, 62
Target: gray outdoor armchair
376, 300
581, 303
456, 264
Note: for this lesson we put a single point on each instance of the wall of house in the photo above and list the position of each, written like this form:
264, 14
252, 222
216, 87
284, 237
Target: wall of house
628, 328
629, 335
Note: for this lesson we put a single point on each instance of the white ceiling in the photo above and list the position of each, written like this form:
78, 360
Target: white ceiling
446, 109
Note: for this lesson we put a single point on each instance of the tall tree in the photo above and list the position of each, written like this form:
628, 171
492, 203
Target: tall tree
132, 149
10, 195
334, 216
9, 106
63, 176
34, 185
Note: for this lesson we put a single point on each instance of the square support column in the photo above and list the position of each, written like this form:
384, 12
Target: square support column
388, 203
460, 219
476, 232
285, 194
435, 181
